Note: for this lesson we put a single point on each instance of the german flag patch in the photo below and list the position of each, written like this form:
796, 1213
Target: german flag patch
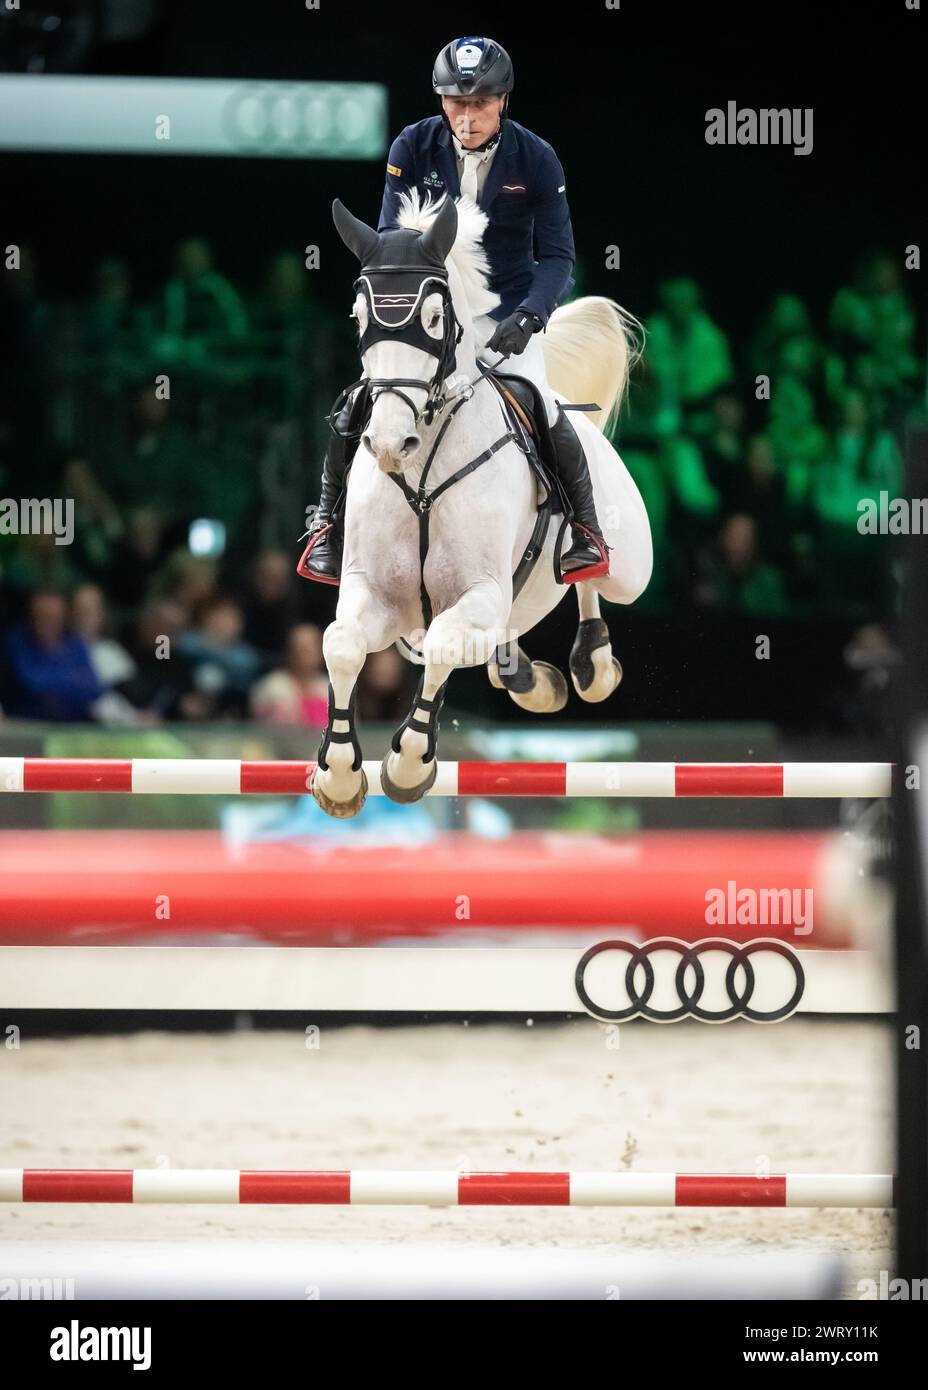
392, 169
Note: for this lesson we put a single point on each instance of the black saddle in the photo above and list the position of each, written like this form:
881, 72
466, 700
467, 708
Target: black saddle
528, 418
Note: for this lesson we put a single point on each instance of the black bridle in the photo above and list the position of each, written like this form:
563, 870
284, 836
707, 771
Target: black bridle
395, 314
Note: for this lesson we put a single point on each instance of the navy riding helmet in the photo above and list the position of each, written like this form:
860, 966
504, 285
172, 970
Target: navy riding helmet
473, 67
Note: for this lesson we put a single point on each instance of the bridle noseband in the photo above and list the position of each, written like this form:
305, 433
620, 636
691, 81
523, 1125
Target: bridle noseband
394, 315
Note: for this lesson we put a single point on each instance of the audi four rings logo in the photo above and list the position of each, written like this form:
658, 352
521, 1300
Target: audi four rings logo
753, 971
274, 117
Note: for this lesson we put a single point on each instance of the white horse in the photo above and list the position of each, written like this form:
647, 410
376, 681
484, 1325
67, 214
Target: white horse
479, 528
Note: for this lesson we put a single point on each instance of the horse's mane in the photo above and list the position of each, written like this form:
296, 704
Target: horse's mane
467, 254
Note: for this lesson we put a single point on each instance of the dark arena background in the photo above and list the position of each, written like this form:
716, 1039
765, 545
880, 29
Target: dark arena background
210, 997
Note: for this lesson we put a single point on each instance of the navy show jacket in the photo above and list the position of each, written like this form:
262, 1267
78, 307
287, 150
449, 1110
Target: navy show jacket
523, 196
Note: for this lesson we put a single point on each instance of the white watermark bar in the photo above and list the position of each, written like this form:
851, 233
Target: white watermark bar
518, 980
193, 116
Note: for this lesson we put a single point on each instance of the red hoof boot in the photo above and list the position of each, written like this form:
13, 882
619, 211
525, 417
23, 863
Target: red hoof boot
588, 557
326, 568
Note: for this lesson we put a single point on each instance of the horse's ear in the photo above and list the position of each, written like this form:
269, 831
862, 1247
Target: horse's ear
357, 235
436, 241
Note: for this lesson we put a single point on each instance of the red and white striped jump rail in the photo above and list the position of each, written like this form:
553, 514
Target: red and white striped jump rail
233, 777
444, 1189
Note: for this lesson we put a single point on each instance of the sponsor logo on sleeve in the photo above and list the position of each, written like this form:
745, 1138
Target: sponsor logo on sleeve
392, 169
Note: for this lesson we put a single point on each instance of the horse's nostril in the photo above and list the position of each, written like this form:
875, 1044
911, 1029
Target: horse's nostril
366, 441
412, 441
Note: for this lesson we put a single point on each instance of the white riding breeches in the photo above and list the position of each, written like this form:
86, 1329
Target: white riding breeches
530, 363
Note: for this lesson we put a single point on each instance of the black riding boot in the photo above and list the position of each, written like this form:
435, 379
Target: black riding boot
588, 557
322, 558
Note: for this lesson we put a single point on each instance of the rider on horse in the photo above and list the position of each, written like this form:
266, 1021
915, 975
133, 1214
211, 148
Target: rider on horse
474, 148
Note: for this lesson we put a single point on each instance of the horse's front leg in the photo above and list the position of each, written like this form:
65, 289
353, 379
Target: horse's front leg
361, 625
466, 634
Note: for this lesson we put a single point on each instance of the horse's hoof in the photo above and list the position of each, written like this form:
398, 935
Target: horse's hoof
406, 795
341, 810
600, 687
548, 692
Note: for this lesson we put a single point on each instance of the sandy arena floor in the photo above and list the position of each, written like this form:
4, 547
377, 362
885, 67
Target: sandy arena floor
804, 1096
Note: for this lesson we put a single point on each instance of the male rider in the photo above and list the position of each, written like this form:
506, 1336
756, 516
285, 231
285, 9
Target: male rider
475, 148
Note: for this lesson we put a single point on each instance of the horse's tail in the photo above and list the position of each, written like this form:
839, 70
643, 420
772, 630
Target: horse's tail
590, 347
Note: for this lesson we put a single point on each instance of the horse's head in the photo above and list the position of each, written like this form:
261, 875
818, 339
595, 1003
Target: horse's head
407, 326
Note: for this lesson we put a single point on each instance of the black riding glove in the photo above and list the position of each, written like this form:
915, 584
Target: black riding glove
512, 335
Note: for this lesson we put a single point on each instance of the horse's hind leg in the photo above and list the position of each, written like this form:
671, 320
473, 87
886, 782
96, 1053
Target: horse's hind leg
594, 671
533, 685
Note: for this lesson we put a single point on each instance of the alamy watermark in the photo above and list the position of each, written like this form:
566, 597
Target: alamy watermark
765, 125
732, 906
38, 516
892, 516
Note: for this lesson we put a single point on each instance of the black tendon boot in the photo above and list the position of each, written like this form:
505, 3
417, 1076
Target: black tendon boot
322, 558
588, 557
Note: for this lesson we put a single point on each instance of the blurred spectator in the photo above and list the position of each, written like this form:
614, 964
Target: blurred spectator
695, 501
382, 687
786, 343
800, 441
862, 460
108, 319
723, 448
47, 669
100, 526
186, 579
269, 602
110, 660
162, 682
201, 307
26, 313
282, 306
687, 351
298, 692
38, 561
875, 316
25, 351
224, 666
733, 574
155, 464
289, 330
138, 557
759, 489
163, 461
